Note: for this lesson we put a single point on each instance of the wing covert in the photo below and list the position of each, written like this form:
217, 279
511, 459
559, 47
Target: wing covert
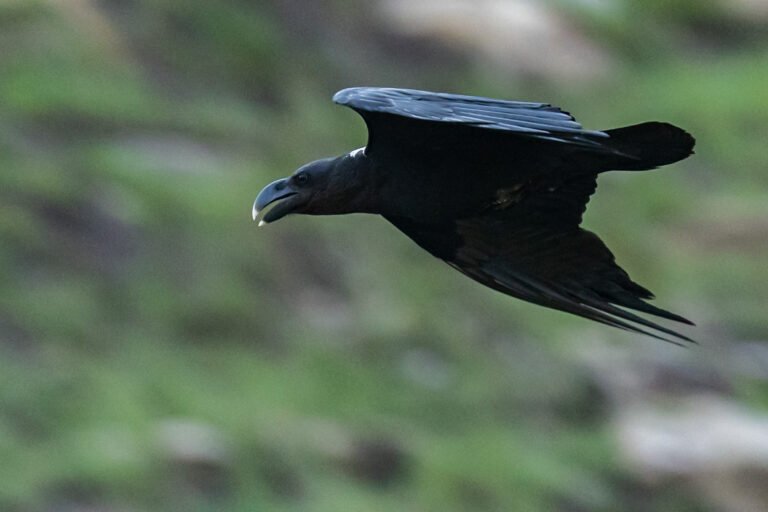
533, 249
536, 120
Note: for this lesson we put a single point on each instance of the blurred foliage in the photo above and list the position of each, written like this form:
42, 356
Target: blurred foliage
329, 364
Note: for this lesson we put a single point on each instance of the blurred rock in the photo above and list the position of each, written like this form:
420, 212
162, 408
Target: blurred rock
280, 475
199, 457
675, 418
86, 17
706, 434
84, 235
754, 11
723, 232
14, 338
377, 459
629, 375
171, 153
79, 496
520, 36
715, 445
186, 440
749, 359
324, 310
426, 368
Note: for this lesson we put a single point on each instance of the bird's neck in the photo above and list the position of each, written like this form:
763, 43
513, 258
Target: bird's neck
353, 187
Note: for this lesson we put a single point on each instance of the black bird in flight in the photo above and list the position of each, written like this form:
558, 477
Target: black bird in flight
495, 188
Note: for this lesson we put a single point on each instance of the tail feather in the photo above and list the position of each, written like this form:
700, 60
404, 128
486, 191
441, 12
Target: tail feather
650, 145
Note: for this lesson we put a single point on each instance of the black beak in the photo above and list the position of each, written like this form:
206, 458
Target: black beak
279, 190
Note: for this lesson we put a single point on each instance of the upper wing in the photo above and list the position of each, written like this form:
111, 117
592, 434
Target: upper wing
389, 111
533, 249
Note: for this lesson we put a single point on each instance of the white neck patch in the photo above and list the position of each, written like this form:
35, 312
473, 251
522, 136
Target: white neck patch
358, 151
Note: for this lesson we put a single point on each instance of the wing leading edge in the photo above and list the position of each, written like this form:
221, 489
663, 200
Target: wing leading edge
529, 119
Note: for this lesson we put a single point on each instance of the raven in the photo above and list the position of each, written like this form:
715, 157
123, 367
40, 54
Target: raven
495, 188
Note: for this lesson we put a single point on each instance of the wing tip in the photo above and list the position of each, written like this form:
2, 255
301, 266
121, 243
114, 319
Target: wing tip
627, 321
343, 96
656, 328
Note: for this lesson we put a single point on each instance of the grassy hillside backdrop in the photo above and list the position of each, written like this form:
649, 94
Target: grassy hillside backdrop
159, 352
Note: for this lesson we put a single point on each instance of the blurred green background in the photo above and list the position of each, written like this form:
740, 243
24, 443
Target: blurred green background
158, 352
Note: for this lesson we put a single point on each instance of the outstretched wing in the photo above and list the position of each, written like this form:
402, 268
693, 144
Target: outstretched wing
532, 248
403, 113
519, 232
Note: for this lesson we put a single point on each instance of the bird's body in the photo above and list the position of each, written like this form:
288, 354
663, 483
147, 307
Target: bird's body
495, 188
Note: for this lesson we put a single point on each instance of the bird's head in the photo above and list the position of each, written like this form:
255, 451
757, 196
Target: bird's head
323, 187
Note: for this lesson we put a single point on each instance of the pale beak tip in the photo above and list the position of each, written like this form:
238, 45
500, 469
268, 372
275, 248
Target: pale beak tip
261, 223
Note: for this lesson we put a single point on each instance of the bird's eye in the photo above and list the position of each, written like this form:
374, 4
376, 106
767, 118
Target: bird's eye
301, 179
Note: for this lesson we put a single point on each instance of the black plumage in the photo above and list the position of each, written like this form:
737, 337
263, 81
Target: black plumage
495, 188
